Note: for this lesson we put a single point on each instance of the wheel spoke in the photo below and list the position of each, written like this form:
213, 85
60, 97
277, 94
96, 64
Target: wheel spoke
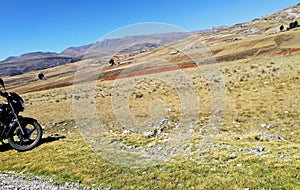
33, 130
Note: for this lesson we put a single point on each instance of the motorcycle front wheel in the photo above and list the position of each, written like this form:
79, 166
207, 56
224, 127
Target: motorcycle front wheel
29, 139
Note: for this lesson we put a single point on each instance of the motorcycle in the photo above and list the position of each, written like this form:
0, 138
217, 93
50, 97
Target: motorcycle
22, 133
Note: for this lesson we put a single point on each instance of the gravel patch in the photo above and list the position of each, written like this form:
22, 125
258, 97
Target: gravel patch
10, 181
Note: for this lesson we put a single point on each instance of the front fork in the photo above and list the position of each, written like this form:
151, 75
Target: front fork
19, 123
17, 118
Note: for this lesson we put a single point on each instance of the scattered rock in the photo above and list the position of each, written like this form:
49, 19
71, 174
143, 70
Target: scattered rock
260, 149
11, 181
174, 52
250, 31
169, 110
191, 131
267, 136
268, 126
163, 122
126, 131
263, 125
200, 130
138, 95
148, 134
75, 96
125, 147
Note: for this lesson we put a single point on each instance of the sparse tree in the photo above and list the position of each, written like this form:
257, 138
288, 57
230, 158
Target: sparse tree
281, 28
112, 62
292, 25
41, 76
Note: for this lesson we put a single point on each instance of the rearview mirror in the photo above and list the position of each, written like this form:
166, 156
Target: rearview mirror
2, 82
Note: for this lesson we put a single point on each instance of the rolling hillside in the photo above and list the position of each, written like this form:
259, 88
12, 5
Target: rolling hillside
257, 37
214, 110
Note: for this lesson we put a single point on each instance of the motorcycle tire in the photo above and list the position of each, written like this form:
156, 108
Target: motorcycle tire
33, 134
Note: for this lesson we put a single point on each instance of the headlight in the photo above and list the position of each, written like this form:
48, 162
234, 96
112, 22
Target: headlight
22, 103
18, 104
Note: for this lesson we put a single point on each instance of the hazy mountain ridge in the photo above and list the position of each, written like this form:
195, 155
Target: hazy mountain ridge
112, 46
33, 61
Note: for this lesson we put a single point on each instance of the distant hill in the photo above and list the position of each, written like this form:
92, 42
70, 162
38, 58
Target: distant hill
127, 45
270, 23
108, 47
32, 62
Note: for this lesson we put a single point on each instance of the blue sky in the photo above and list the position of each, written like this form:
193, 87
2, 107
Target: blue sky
54, 25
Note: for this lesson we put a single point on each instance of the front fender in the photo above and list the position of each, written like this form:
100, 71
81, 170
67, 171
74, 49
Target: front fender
26, 120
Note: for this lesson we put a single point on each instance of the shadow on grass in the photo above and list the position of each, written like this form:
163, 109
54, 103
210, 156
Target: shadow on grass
6, 147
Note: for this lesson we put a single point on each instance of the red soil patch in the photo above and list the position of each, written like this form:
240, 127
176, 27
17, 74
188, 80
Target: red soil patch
286, 51
150, 71
176, 67
214, 52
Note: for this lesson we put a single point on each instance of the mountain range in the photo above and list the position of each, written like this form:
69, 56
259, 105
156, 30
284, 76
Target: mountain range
129, 45
132, 45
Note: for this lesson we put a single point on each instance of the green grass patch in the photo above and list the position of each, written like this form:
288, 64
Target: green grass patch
222, 166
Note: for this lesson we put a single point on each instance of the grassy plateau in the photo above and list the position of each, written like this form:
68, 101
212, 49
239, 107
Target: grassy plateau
256, 144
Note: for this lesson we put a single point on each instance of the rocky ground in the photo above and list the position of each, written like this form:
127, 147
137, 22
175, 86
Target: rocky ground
11, 181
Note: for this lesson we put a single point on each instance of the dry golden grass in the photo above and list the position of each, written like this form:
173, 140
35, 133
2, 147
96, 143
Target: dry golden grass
256, 145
